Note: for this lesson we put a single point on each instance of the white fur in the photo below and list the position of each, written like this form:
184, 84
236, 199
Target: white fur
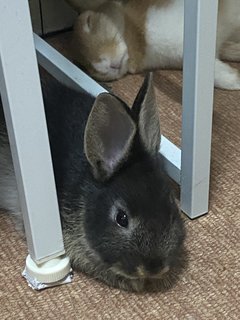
226, 77
164, 37
231, 51
8, 186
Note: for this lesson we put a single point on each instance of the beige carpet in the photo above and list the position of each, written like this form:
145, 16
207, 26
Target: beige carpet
208, 288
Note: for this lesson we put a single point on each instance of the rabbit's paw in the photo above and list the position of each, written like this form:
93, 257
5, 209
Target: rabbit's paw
133, 66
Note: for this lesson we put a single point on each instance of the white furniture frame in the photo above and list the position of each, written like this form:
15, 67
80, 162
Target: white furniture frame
23, 107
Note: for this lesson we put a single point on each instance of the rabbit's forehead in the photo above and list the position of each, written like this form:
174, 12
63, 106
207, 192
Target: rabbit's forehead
143, 197
103, 27
101, 36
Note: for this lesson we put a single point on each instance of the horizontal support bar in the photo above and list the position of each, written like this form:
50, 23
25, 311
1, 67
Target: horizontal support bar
172, 157
65, 71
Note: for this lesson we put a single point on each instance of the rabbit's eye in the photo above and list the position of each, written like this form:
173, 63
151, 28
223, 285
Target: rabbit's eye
122, 218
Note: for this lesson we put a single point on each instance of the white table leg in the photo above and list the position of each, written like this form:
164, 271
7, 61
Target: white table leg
198, 76
24, 112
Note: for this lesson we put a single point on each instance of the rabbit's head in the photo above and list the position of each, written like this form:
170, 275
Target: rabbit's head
99, 46
132, 222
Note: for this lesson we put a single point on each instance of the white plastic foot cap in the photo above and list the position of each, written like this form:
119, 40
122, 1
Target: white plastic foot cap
50, 271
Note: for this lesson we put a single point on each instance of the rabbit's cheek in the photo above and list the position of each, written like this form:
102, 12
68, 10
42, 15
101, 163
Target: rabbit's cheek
160, 274
119, 270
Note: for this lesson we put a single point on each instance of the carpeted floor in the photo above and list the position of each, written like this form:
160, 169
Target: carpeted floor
208, 288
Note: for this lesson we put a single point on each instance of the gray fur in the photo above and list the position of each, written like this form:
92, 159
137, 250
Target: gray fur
149, 125
8, 185
131, 257
104, 151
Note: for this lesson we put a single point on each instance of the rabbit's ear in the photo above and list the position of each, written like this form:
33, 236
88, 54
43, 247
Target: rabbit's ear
108, 136
146, 115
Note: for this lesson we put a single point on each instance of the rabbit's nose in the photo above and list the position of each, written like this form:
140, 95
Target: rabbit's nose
141, 272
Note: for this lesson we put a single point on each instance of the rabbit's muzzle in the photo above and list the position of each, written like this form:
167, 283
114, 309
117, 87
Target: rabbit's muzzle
140, 272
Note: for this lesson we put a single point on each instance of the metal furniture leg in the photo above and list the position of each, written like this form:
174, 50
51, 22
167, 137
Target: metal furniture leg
25, 118
198, 85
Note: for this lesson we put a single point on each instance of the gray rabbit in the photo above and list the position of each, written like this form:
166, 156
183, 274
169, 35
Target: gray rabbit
120, 220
